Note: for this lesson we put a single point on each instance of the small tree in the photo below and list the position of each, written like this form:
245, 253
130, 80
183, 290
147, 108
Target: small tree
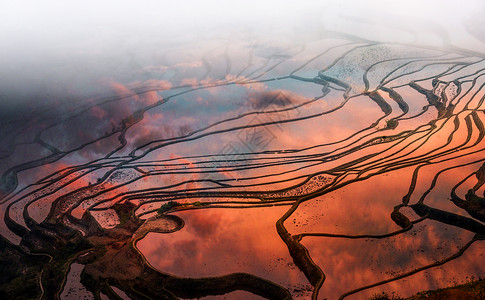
391, 124
167, 206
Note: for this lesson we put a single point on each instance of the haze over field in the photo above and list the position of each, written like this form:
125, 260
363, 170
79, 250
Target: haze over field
241, 150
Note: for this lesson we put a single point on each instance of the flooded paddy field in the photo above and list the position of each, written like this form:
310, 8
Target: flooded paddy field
316, 152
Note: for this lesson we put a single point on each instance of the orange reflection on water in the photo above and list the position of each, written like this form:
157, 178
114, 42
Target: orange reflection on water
223, 241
